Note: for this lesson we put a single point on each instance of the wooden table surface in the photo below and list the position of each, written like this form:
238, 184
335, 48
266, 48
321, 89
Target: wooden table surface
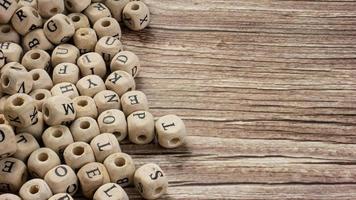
267, 89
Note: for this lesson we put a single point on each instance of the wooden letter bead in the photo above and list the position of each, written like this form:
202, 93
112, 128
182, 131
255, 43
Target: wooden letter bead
136, 15
126, 61
58, 110
121, 168
104, 145
57, 138
36, 40
8, 144
141, 127
32, 3
90, 85
13, 174
8, 34
16, 81
12, 65
65, 53
76, 6
134, 101
7, 9
36, 59
150, 181
26, 144
61, 196
116, 8
92, 63
85, 107
107, 26
110, 191
91, 176
120, 82
108, 47
12, 51
78, 154
62, 178
85, 39
84, 129
25, 20
41, 161
59, 29
41, 79
35, 189
8, 196
39, 96
65, 72
79, 20
65, 89
49, 8
20, 110
113, 121
106, 100
171, 131
35, 129
96, 11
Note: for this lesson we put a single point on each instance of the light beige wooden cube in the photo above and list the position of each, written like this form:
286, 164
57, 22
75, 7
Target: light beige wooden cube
26, 19
76, 6
66, 72
126, 61
90, 85
85, 107
49, 8
110, 191
136, 15
134, 101
36, 59
120, 82
116, 8
65, 89
59, 29
57, 138
41, 161
108, 47
107, 26
35, 129
8, 144
12, 51
8, 34
121, 168
141, 127
35, 189
58, 110
13, 173
78, 154
9, 196
36, 39
96, 11
85, 39
79, 20
106, 100
92, 63
150, 181
104, 145
84, 129
20, 110
15, 80
65, 53
32, 3
26, 144
7, 9
39, 96
41, 79
12, 65
61, 179
91, 176
61, 196
171, 131
113, 121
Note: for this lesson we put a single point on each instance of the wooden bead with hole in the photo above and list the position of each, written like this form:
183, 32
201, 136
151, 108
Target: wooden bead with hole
90, 85
85, 39
120, 82
96, 11
108, 47
126, 61
49, 8
61, 179
35, 189
12, 51
20, 110
41, 79
15, 80
65, 53
39, 96
107, 26
12, 65
8, 144
92, 63
26, 19
150, 181
171, 131
41, 161
65, 89
26, 144
66, 72
78, 154
59, 29
57, 138
7, 9
110, 191
36, 39
61, 196
106, 100
35, 129
9, 196
85, 107
8, 34
133, 101
36, 59
141, 127
76, 6
104, 145
116, 8
113, 121
84, 129
121, 168
136, 15
13, 173
79, 20
58, 110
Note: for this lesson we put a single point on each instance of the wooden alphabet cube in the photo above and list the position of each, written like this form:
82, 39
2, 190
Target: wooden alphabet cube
92, 63
113, 121
65, 53
61, 196
61, 179
78, 154
120, 82
49, 8
36, 39
108, 47
65, 89
85, 39
13, 173
121, 168
150, 181
106, 100
12, 65
96, 11
7, 9
116, 8
141, 127
36, 59
8, 144
26, 144
90, 85
8, 34
57, 138
9, 196
59, 29
41, 161
66, 72
134, 101
35, 129
76, 6
35, 189
39, 96
14, 80
85, 107
41, 79
107, 26
21, 110
104, 145
171, 131
26, 19
12, 51
79, 20
110, 191
126, 61
136, 15
58, 110
84, 129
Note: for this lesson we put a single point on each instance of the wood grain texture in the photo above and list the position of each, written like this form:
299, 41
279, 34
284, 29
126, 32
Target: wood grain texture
267, 89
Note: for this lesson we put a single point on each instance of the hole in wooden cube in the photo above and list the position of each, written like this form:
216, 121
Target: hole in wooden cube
18, 101
6, 29
75, 18
82, 103
34, 189
120, 162
79, 150
42, 157
158, 190
57, 134
35, 56
142, 138
35, 76
106, 23
5, 81
84, 125
135, 7
40, 96
174, 141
